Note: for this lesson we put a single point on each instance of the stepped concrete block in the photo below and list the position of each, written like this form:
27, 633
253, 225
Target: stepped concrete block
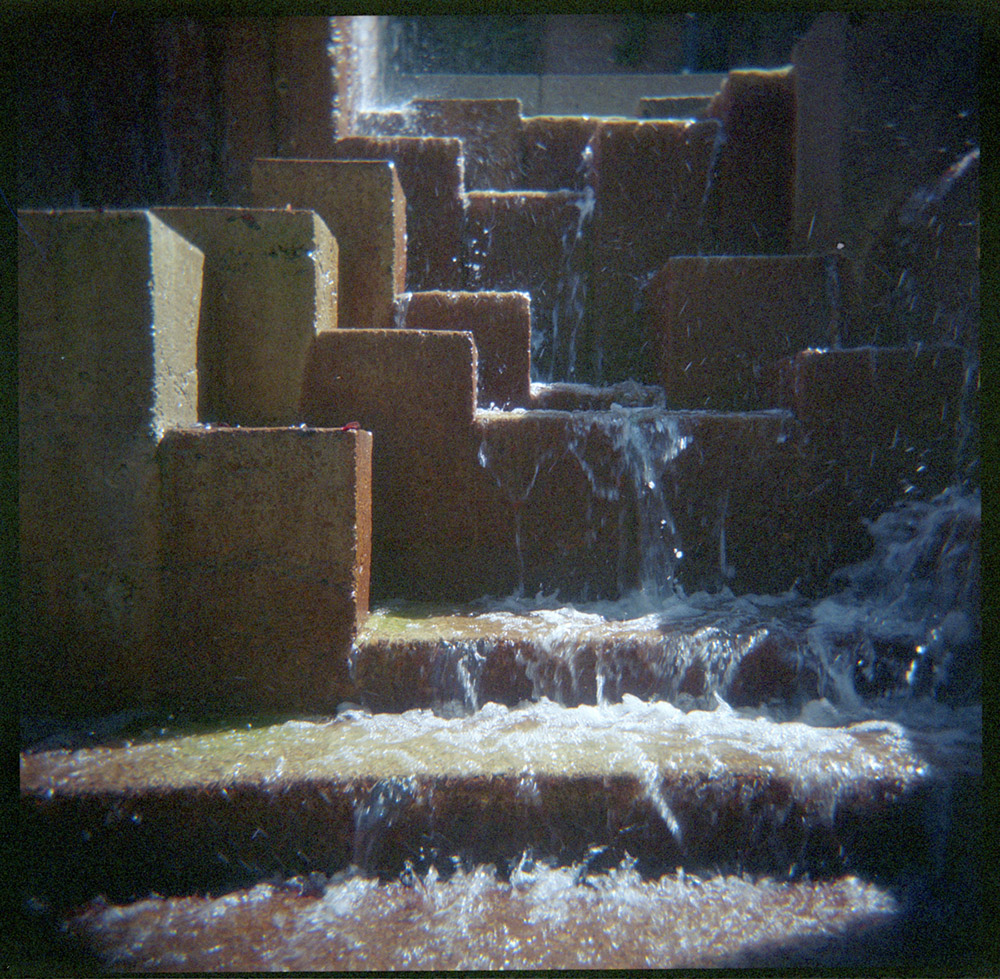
362, 204
888, 418
266, 564
674, 107
500, 323
430, 173
721, 323
552, 150
725, 506
650, 181
528, 241
269, 285
750, 201
416, 392
107, 347
489, 130
216, 810
406, 659
384, 122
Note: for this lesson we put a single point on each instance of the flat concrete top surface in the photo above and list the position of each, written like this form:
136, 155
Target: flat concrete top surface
649, 741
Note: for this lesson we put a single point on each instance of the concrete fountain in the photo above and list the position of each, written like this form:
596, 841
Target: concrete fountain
480, 543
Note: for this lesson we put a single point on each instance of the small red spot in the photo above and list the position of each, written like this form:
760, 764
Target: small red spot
350, 427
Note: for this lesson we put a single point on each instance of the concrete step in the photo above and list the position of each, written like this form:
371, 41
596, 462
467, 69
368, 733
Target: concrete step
708, 791
539, 918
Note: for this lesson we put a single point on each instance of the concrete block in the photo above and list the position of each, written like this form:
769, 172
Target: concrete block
552, 148
416, 392
500, 323
528, 241
887, 418
430, 173
650, 181
266, 564
750, 202
720, 323
489, 130
674, 107
362, 204
598, 503
107, 332
270, 283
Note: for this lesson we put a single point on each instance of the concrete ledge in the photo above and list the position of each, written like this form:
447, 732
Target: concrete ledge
721, 323
362, 204
700, 791
266, 564
270, 284
500, 323
430, 171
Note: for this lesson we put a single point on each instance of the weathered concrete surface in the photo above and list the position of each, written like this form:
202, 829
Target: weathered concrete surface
489, 130
750, 200
597, 503
650, 181
533, 241
107, 331
885, 420
266, 564
269, 285
416, 392
430, 171
362, 204
500, 323
552, 152
674, 107
721, 323
702, 790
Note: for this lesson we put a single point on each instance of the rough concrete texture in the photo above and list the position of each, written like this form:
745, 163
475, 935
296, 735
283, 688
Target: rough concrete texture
700, 790
431, 175
362, 204
533, 241
266, 564
416, 392
269, 285
552, 152
489, 130
107, 331
674, 107
721, 323
750, 199
887, 420
650, 182
500, 324
599, 503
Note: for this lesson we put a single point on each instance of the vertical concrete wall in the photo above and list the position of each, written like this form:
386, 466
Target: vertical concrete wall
270, 284
267, 556
108, 316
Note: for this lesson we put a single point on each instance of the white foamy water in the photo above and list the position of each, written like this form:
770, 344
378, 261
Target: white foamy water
543, 917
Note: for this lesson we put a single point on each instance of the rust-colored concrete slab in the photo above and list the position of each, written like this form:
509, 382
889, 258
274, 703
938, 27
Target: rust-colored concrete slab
721, 323
362, 204
107, 332
674, 107
750, 204
888, 418
650, 181
702, 790
552, 152
489, 130
533, 241
500, 323
416, 392
431, 175
266, 564
269, 285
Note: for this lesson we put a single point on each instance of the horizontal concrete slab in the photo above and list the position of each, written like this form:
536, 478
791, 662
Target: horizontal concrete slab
698, 790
